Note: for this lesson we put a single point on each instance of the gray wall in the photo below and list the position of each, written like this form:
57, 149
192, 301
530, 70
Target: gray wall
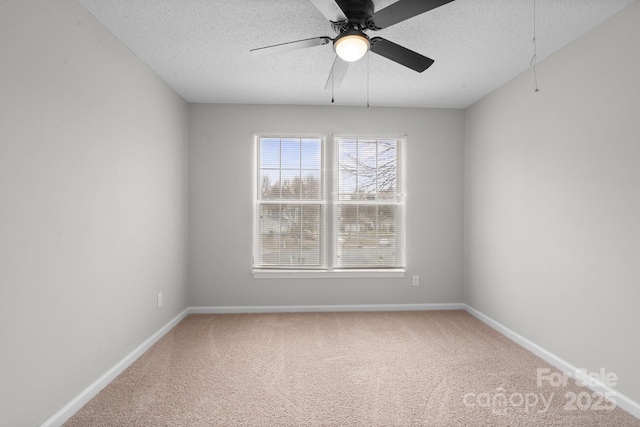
94, 197
221, 207
93, 184
552, 205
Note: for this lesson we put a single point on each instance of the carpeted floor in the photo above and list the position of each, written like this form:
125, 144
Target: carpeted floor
431, 368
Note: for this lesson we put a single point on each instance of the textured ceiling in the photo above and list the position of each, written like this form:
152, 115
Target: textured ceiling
201, 48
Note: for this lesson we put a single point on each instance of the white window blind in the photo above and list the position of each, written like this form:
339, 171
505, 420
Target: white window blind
369, 203
358, 226
290, 207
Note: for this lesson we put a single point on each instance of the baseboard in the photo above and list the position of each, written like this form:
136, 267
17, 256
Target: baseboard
622, 401
72, 407
89, 393
323, 308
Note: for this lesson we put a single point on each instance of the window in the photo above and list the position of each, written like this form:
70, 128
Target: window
290, 206
369, 219
358, 225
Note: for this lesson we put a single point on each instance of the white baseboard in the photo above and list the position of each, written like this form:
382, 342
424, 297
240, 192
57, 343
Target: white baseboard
621, 400
323, 308
89, 393
72, 407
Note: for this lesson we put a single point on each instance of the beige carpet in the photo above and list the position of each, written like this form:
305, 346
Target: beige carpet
441, 368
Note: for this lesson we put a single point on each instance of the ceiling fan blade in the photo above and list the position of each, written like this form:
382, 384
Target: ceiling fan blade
286, 47
402, 10
338, 71
330, 10
399, 54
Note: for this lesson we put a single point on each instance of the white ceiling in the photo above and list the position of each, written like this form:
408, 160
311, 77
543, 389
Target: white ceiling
201, 48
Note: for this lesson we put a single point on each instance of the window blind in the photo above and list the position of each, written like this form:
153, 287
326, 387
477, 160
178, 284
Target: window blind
289, 229
369, 203
359, 225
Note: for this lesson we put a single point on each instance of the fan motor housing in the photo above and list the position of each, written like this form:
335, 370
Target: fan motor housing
357, 11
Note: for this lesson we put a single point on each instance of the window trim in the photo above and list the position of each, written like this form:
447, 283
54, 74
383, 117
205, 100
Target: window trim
262, 273
329, 170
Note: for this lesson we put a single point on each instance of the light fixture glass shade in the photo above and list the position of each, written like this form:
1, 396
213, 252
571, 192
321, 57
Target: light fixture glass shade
351, 48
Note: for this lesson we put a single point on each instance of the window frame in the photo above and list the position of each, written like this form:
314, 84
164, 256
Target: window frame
259, 202
329, 183
398, 200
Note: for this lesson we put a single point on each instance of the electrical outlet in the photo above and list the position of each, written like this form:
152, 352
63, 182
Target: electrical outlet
159, 299
416, 281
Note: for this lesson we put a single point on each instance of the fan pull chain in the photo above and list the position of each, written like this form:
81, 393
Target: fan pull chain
534, 60
368, 84
332, 62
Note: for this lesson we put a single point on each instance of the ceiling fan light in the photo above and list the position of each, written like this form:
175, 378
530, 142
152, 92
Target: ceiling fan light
351, 47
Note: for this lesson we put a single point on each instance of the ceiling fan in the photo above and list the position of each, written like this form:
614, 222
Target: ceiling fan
350, 19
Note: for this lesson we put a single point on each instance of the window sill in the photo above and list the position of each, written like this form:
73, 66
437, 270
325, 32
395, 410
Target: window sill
326, 274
